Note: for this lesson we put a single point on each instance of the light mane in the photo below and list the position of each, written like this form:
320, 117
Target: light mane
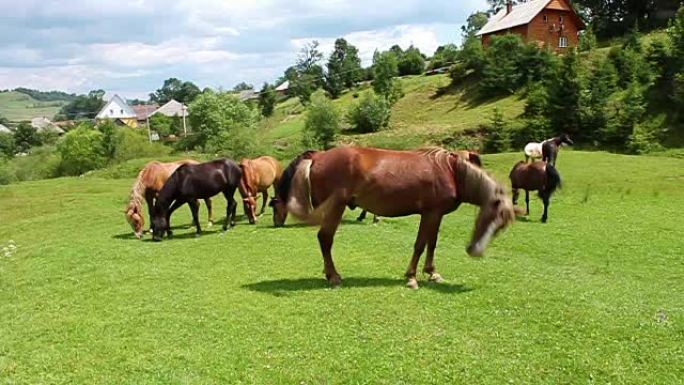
475, 185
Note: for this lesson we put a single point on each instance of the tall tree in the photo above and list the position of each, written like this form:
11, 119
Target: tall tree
385, 68
564, 96
474, 23
411, 62
344, 68
267, 99
242, 86
307, 74
184, 92
25, 137
83, 107
497, 5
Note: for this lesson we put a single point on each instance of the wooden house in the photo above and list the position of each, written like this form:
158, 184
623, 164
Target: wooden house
549, 23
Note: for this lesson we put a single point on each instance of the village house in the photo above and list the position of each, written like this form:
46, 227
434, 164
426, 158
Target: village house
118, 111
550, 23
43, 124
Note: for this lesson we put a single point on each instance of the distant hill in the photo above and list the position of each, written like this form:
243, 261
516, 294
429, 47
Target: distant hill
17, 106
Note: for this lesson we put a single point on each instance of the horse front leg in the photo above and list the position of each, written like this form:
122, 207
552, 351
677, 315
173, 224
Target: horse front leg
194, 209
418, 248
516, 194
432, 234
176, 204
263, 204
326, 235
231, 208
362, 217
149, 199
527, 201
210, 212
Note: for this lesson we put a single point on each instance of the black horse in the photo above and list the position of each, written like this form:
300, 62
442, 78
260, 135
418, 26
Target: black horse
191, 182
550, 148
535, 176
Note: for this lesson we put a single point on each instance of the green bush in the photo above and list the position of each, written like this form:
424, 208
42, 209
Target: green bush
7, 173
371, 114
133, 144
647, 136
458, 72
7, 145
498, 138
322, 123
82, 150
43, 163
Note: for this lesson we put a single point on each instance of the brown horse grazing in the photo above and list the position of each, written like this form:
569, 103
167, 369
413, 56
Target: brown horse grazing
468, 156
317, 186
150, 181
535, 176
257, 176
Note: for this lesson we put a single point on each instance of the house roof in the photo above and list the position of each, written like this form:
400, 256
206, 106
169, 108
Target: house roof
144, 111
117, 100
248, 95
520, 15
5, 129
284, 86
172, 108
43, 124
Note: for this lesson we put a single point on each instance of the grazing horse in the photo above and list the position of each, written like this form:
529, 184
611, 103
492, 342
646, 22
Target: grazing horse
150, 181
547, 150
468, 156
257, 176
317, 186
535, 176
196, 181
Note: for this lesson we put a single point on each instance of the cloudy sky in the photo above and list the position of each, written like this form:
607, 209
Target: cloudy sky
131, 46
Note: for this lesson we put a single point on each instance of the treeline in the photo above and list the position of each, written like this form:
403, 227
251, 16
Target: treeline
46, 96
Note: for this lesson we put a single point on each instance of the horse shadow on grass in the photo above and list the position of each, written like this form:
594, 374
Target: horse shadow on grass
280, 287
147, 236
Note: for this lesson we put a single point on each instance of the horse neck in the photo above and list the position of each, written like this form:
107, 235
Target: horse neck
474, 185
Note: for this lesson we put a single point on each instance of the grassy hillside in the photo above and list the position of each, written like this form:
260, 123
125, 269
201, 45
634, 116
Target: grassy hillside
591, 297
430, 111
17, 106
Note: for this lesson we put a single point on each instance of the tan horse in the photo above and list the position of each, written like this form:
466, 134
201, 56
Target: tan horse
257, 176
317, 186
150, 181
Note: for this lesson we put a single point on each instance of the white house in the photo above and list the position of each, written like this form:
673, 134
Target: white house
117, 109
43, 124
171, 109
4, 129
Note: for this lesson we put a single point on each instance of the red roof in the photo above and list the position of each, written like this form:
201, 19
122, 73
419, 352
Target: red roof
143, 111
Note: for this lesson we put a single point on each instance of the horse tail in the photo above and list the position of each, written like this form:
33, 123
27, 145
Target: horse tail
553, 179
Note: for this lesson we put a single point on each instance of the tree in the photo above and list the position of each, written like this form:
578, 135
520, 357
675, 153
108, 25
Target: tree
614, 18
25, 137
267, 99
501, 74
222, 124
7, 145
411, 62
473, 55
444, 55
83, 106
82, 150
344, 68
564, 91
385, 68
242, 86
322, 123
108, 130
594, 101
631, 109
371, 114
497, 5
183, 92
307, 75
474, 24
166, 126
588, 40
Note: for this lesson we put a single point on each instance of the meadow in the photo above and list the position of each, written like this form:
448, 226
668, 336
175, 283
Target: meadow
594, 296
17, 107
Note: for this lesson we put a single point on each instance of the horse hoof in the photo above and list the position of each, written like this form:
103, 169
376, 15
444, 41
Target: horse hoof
335, 282
436, 278
197, 235
210, 224
412, 284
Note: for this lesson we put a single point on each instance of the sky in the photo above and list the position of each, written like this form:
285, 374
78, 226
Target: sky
130, 46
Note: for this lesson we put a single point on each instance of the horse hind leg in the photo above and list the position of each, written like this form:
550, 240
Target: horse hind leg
546, 199
210, 212
527, 201
231, 208
326, 236
362, 216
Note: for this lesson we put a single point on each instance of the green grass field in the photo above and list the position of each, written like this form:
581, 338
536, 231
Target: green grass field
593, 297
17, 107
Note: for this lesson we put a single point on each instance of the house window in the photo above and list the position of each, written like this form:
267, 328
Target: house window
121, 112
562, 19
111, 112
546, 18
563, 43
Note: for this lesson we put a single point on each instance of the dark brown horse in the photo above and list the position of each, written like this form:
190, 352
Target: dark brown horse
150, 181
535, 176
317, 186
257, 176
468, 156
196, 181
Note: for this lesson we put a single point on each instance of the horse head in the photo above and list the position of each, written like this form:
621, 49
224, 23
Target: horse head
565, 138
279, 211
159, 225
135, 218
496, 213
